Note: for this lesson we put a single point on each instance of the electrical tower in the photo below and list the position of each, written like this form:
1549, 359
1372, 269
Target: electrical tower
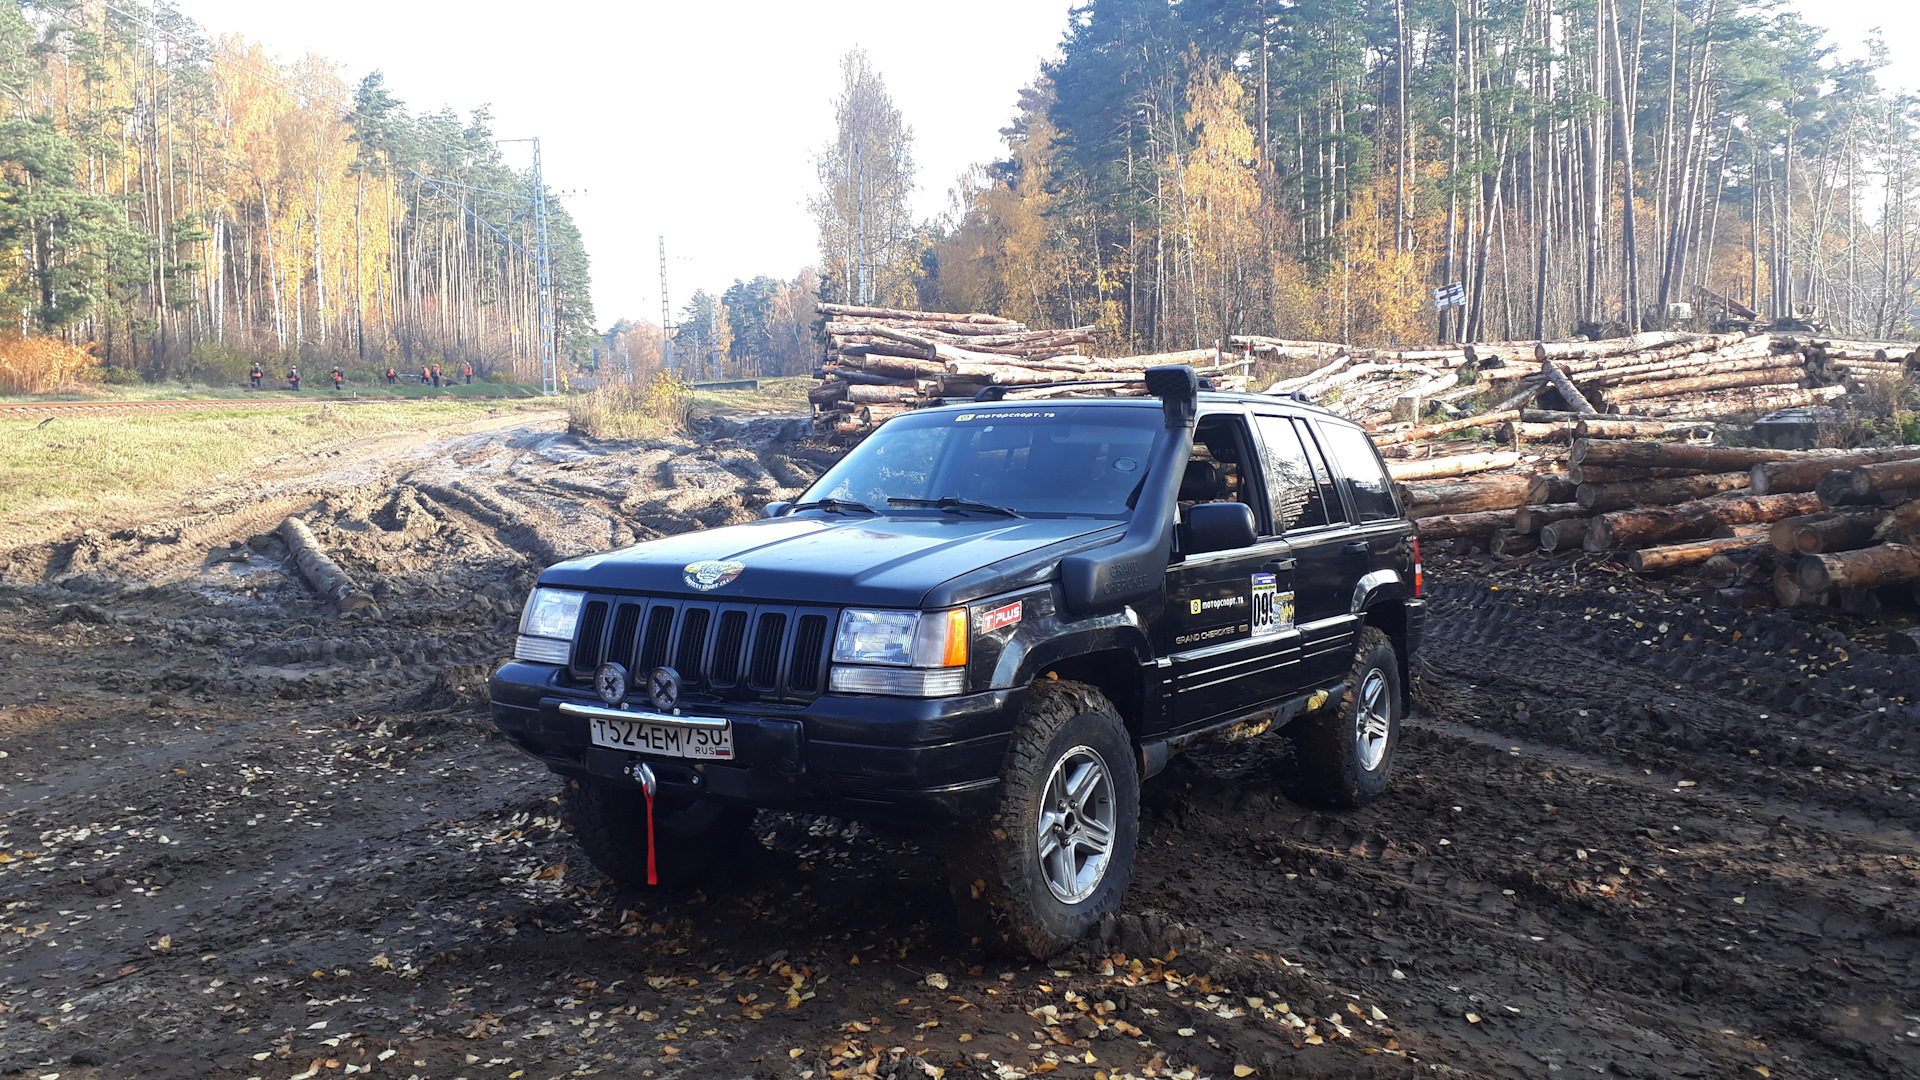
541, 256
666, 325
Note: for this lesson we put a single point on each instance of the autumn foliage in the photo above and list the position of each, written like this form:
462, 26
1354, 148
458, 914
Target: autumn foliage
38, 365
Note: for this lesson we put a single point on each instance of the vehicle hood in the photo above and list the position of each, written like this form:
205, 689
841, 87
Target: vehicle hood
829, 559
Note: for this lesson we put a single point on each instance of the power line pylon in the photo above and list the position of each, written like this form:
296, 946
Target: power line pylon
666, 325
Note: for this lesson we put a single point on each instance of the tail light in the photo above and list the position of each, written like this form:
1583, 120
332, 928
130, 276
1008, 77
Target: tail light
1419, 582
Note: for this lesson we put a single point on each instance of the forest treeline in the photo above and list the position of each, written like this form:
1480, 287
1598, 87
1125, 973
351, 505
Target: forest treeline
183, 205
1316, 168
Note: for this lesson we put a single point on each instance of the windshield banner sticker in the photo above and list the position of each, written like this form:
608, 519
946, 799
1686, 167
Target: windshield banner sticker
1000, 618
1272, 609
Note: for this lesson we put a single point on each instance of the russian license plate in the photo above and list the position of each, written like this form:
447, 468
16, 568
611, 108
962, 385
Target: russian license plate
711, 744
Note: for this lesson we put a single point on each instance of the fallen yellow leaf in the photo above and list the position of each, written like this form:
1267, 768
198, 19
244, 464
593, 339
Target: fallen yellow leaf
1243, 1070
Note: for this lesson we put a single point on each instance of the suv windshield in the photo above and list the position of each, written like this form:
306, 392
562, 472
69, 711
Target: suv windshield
1052, 460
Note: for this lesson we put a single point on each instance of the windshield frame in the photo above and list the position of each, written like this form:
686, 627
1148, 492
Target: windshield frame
943, 465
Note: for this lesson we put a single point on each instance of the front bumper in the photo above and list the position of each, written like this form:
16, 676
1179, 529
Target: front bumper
854, 756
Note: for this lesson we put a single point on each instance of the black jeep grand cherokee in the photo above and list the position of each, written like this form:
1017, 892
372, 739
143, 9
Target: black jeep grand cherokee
999, 617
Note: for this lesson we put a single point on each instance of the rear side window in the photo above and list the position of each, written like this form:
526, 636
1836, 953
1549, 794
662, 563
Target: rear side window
1293, 491
1354, 458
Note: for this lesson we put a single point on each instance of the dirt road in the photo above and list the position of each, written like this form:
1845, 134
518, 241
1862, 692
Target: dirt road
239, 837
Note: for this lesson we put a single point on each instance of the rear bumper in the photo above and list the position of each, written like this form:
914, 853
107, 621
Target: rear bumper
853, 756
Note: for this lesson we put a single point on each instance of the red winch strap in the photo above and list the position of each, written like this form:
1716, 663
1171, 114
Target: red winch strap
653, 874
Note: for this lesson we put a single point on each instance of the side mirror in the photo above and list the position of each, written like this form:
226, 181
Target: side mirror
777, 509
1219, 526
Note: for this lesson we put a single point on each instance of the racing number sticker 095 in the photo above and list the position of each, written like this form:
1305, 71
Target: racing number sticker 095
1272, 609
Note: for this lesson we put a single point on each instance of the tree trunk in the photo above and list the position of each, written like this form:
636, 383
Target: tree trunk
1568, 392
325, 575
1464, 496
1675, 556
1639, 429
1431, 430
1866, 484
1694, 519
1771, 376
1667, 455
1550, 488
1457, 465
1600, 498
1448, 526
1531, 519
1882, 564
1511, 542
1567, 534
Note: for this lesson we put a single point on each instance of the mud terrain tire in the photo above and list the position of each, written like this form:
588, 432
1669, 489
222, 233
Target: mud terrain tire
1069, 769
610, 825
1335, 771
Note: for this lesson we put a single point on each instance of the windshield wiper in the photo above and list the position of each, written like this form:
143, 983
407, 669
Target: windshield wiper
951, 504
835, 505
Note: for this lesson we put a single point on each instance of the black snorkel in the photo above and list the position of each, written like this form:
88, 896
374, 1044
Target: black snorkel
1133, 567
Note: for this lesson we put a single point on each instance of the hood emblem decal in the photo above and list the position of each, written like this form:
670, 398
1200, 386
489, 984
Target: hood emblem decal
709, 575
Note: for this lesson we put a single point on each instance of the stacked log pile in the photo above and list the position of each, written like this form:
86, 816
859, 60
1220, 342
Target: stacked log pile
881, 362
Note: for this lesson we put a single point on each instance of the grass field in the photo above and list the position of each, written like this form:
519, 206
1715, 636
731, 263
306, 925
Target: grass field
275, 391
784, 394
83, 466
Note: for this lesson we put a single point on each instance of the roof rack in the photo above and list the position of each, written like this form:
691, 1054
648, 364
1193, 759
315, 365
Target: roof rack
999, 392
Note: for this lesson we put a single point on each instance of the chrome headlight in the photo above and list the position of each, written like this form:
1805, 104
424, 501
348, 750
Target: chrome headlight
547, 625
933, 643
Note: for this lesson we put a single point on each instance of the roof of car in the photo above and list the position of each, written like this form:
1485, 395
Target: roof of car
1207, 397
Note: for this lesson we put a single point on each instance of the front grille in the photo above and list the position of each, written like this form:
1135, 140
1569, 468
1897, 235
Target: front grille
586, 647
727, 651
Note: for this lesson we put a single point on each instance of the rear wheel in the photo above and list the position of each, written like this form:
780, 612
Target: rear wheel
1346, 749
1059, 851
610, 825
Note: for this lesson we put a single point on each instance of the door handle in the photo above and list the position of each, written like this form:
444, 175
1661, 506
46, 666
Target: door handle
1356, 547
1279, 567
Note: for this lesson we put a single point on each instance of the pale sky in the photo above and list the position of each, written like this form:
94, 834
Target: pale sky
697, 120
700, 121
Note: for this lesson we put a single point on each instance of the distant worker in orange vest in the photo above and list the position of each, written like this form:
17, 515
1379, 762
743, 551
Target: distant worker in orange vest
436, 374
338, 377
256, 375
466, 372
293, 378
425, 375
392, 376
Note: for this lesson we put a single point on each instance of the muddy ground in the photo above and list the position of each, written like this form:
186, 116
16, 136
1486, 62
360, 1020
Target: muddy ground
1631, 835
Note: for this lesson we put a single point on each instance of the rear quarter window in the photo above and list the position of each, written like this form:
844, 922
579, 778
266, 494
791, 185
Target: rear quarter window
1355, 458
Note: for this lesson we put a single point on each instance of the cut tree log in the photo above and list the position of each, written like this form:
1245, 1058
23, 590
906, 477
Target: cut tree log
1803, 472
1835, 532
1547, 416
1769, 376
1457, 465
1567, 534
1588, 428
1531, 519
1675, 556
1864, 484
1600, 498
1669, 455
1449, 427
1788, 592
1882, 564
1550, 488
1568, 392
1692, 520
1785, 533
326, 576
1519, 431
1511, 542
1589, 350
1449, 526
1608, 474
1464, 496
853, 311
878, 395
1902, 526
827, 393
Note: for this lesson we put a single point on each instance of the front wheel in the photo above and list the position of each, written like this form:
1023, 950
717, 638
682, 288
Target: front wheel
1059, 851
1346, 750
